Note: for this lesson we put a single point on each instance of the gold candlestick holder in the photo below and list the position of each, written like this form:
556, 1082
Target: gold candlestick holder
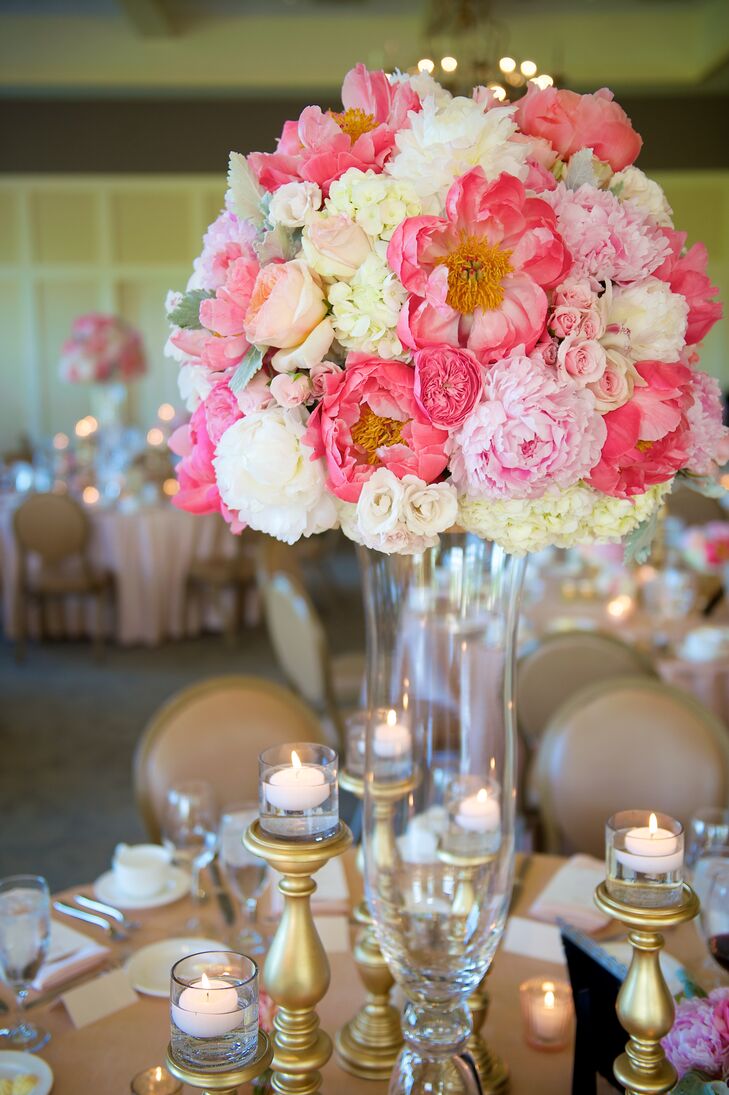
369, 1044
296, 971
223, 1083
645, 1006
492, 1071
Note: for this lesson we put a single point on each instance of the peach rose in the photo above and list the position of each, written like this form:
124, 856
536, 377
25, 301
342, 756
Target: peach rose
334, 246
286, 305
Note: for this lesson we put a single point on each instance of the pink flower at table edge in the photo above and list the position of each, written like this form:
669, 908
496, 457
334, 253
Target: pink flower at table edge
699, 1039
477, 277
320, 146
686, 274
367, 418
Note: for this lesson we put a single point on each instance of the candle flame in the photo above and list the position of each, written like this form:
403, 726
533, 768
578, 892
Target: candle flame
482, 795
158, 1074
652, 824
549, 1000
295, 760
391, 717
547, 986
492, 764
204, 983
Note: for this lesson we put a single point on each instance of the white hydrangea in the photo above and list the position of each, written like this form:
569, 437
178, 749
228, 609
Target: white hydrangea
560, 518
365, 309
377, 203
633, 185
444, 141
654, 317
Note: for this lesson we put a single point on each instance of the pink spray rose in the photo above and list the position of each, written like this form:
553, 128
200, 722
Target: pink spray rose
708, 441
448, 384
615, 386
287, 303
290, 390
369, 418
531, 432
477, 278
687, 275
581, 360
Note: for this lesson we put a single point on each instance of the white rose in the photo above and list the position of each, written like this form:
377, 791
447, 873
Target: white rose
654, 317
634, 186
428, 508
266, 475
292, 203
378, 512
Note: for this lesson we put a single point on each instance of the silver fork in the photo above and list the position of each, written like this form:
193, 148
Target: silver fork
114, 931
107, 910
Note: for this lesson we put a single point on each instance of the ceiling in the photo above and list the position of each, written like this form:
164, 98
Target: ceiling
278, 47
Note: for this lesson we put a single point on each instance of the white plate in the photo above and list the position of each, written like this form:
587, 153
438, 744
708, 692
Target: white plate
177, 885
14, 1063
149, 969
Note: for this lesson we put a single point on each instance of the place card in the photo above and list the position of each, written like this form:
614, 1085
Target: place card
533, 940
98, 998
569, 895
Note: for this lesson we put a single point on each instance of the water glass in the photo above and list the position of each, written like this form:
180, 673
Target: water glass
715, 912
25, 929
246, 873
190, 830
708, 840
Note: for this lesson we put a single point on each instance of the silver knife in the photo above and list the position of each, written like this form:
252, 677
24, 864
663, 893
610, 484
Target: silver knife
79, 914
100, 907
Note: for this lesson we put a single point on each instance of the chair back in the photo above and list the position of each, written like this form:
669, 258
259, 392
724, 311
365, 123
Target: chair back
622, 744
52, 526
298, 637
556, 667
215, 731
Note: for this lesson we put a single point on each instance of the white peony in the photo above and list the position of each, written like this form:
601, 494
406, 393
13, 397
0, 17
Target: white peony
633, 185
654, 317
267, 477
445, 141
195, 384
377, 203
292, 203
365, 310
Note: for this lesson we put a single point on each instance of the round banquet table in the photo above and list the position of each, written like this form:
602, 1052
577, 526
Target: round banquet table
104, 1056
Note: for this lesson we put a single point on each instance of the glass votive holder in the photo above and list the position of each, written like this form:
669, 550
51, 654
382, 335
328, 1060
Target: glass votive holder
547, 1010
644, 856
392, 744
298, 791
474, 816
155, 1081
214, 1010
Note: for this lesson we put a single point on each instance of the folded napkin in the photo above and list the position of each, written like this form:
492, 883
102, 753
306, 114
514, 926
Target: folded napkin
69, 953
568, 895
332, 892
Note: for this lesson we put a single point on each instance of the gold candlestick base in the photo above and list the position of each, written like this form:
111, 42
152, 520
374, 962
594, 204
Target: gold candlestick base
296, 971
492, 1071
645, 1006
222, 1083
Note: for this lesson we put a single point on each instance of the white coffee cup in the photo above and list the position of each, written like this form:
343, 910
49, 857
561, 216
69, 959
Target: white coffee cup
140, 870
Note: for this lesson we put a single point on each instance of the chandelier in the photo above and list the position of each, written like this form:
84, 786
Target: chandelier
465, 45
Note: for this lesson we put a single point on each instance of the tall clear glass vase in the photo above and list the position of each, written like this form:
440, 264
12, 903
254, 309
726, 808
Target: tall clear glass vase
439, 785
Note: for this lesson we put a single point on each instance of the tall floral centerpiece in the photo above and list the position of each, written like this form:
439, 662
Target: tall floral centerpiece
106, 352
459, 330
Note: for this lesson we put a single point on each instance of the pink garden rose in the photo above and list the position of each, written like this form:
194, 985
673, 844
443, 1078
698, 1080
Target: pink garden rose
708, 442
334, 246
287, 303
615, 386
581, 360
224, 314
320, 146
687, 275
477, 278
195, 473
570, 122
448, 384
221, 411
531, 432
369, 418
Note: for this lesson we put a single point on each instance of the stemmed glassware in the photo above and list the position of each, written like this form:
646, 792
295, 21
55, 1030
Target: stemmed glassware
246, 873
715, 915
25, 929
190, 830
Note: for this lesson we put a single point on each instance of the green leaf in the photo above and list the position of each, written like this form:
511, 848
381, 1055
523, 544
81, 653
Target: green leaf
698, 1083
244, 191
247, 369
702, 484
639, 542
187, 312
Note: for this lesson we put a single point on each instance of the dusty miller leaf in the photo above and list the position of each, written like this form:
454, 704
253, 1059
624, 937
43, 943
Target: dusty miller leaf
249, 366
639, 542
698, 1083
702, 484
244, 192
278, 244
187, 312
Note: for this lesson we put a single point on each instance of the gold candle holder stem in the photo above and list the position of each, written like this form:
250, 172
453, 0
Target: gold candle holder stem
222, 1083
492, 1071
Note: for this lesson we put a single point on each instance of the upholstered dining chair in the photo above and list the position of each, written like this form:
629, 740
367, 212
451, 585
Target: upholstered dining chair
219, 573
52, 535
214, 731
625, 743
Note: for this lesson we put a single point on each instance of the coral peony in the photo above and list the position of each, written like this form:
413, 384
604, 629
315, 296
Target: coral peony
686, 274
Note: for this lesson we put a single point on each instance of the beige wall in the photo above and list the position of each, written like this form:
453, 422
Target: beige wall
74, 244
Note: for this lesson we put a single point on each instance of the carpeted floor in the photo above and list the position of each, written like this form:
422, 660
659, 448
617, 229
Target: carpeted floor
69, 725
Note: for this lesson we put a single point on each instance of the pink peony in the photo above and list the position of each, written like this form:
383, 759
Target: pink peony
532, 432
687, 275
570, 122
198, 491
228, 238
647, 438
224, 314
320, 147
369, 418
708, 441
221, 411
286, 304
608, 240
699, 1038
448, 384
477, 277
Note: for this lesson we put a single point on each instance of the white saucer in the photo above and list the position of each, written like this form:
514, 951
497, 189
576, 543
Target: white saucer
13, 1063
177, 885
149, 969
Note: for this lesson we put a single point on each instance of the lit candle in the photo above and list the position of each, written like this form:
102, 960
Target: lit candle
651, 850
479, 813
207, 1009
297, 786
547, 1011
90, 496
621, 607
392, 739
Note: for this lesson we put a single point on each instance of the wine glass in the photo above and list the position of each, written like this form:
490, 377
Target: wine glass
715, 912
246, 873
708, 840
190, 830
25, 929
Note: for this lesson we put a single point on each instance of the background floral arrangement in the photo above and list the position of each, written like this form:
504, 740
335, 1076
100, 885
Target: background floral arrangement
706, 548
698, 1045
426, 310
101, 350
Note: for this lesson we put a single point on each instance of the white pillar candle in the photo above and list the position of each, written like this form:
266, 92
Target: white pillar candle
650, 850
391, 739
207, 1009
479, 813
297, 786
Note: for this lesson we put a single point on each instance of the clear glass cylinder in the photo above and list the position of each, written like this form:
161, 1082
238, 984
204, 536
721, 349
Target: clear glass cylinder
298, 791
547, 1011
214, 1010
644, 859
392, 752
439, 836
